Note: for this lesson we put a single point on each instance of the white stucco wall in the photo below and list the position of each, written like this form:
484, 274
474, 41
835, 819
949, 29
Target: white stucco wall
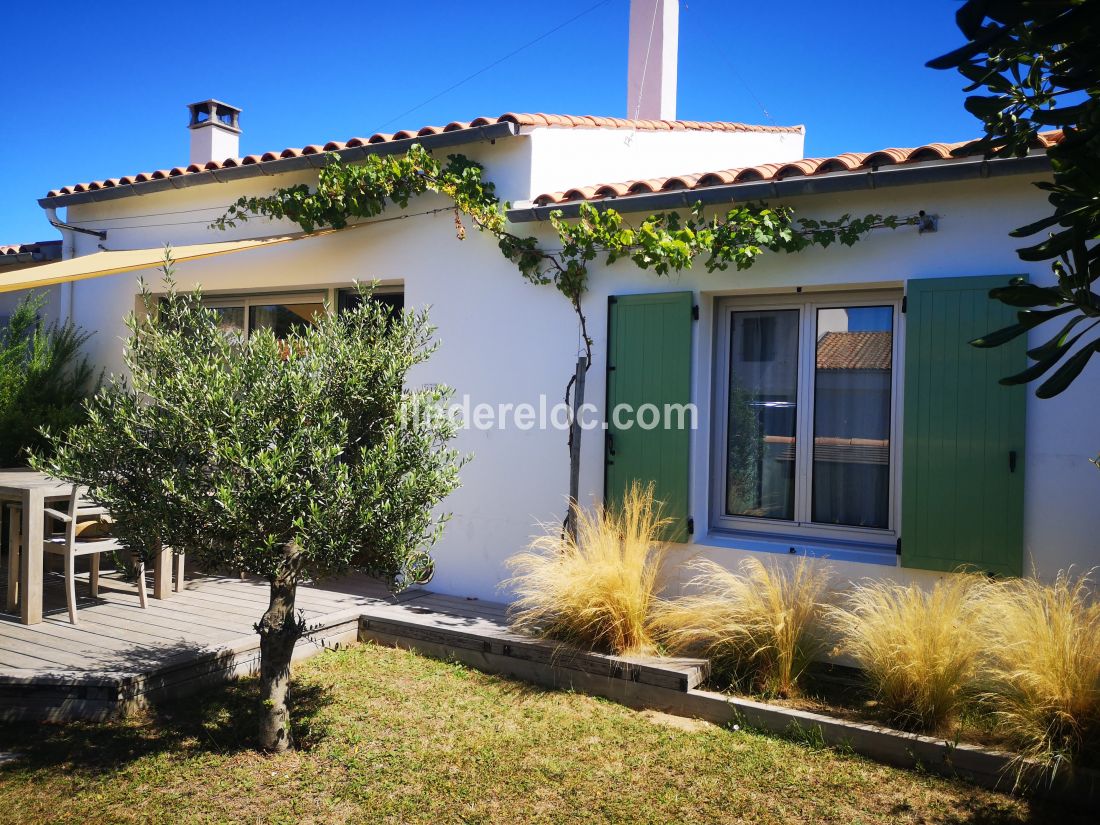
50, 311
566, 158
505, 341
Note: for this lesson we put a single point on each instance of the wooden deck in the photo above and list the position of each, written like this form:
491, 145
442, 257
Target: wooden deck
120, 656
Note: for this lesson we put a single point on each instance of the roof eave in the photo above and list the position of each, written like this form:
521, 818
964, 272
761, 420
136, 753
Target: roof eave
881, 178
458, 137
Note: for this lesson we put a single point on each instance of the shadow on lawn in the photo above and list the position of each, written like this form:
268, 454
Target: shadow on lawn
219, 720
990, 813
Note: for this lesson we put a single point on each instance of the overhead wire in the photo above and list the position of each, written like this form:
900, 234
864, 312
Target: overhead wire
495, 63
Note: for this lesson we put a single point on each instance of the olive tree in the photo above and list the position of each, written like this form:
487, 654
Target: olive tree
289, 459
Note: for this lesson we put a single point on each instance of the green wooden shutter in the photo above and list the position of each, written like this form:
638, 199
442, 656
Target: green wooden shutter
649, 362
963, 447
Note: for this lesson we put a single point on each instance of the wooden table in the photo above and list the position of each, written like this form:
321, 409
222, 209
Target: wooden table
33, 490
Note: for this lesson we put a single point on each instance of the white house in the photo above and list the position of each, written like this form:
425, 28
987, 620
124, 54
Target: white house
841, 412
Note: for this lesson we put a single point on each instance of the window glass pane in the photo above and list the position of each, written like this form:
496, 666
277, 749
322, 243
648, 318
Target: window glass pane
231, 321
282, 318
852, 381
349, 299
763, 393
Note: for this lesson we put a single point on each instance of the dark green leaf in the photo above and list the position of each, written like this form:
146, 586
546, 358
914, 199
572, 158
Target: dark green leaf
1065, 374
1026, 295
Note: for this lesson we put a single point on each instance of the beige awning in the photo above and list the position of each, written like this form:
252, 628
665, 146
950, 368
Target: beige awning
127, 260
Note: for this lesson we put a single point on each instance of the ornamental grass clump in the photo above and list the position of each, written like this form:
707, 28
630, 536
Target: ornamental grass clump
1041, 671
919, 648
757, 624
597, 589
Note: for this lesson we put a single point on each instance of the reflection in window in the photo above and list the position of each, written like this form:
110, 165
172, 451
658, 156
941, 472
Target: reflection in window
230, 322
760, 459
852, 389
281, 319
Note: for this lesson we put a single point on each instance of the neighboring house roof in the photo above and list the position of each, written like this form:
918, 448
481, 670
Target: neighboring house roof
855, 351
462, 130
29, 254
848, 162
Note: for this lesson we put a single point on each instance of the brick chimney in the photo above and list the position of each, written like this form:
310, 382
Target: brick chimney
651, 70
215, 131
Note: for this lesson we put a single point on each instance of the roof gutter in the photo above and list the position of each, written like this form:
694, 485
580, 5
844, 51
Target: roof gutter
883, 178
458, 137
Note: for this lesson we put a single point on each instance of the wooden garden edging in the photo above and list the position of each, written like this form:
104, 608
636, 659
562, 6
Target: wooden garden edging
671, 685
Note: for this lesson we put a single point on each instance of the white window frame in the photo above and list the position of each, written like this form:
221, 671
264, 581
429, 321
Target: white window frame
801, 527
251, 299
327, 296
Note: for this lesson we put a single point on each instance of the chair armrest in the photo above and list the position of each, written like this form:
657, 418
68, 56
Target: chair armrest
57, 514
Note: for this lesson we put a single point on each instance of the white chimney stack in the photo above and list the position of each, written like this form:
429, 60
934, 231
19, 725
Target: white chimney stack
215, 131
651, 72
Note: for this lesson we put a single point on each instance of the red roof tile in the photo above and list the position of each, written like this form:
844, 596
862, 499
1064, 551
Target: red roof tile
848, 162
519, 119
854, 351
39, 248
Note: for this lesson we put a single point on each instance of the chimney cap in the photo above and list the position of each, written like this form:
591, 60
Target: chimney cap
214, 112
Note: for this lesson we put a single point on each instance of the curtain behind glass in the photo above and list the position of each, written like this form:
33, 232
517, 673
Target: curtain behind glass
282, 318
761, 426
852, 389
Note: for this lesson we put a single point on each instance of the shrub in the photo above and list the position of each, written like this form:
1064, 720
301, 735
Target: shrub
757, 624
599, 589
289, 460
1041, 673
43, 380
918, 648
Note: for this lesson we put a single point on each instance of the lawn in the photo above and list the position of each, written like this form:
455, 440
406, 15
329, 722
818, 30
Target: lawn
389, 736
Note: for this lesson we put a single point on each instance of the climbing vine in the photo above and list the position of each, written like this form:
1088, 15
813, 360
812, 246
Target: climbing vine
665, 242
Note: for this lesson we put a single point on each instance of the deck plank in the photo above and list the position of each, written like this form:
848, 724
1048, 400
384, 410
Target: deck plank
208, 628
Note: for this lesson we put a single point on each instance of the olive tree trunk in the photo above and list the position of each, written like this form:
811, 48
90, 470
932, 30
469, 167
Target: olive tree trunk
279, 630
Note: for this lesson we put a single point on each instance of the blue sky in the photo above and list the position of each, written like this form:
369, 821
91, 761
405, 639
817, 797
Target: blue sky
98, 90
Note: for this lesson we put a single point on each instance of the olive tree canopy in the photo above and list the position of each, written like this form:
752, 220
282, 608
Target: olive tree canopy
289, 459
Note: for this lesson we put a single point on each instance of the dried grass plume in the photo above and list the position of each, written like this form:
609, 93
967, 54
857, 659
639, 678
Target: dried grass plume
757, 623
599, 590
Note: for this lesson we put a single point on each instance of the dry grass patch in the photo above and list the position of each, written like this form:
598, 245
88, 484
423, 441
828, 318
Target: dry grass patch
597, 591
919, 648
757, 623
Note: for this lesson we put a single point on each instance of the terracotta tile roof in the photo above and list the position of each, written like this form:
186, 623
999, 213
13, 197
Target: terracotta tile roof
854, 351
848, 162
45, 249
519, 119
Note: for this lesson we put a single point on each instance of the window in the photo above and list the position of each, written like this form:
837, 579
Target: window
806, 416
240, 315
392, 299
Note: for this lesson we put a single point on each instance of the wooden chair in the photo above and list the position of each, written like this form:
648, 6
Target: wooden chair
15, 544
70, 545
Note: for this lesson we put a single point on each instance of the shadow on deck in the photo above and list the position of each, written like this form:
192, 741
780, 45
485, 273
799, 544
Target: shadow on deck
120, 655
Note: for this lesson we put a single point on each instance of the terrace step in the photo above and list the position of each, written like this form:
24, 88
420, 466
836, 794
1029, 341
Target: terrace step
459, 626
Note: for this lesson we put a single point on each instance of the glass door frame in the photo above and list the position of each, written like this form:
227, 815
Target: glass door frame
807, 303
